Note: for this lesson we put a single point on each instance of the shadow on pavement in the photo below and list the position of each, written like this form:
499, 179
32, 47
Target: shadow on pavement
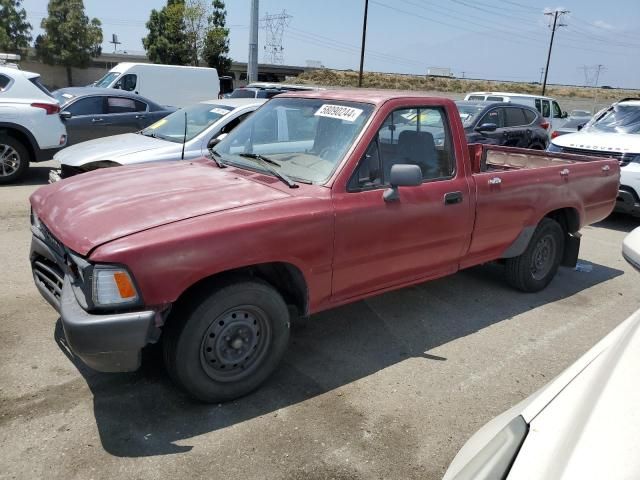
619, 222
36, 175
143, 414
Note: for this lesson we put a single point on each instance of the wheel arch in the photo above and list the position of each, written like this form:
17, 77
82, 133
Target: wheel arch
21, 134
285, 277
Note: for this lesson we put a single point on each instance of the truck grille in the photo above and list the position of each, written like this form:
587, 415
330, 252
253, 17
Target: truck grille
50, 239
49, 275
598, 153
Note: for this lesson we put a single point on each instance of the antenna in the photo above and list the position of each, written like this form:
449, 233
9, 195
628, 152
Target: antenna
114, 40
274, 26
184, 139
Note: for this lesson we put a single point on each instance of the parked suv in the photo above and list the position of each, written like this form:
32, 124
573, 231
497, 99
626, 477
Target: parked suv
547, 106
503, 124
30, 127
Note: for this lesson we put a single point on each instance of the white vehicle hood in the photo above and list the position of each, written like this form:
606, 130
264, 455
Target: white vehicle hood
590, 140
584, 423
110, 148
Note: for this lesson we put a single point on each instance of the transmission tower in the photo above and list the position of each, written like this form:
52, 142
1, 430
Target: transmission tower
274, 26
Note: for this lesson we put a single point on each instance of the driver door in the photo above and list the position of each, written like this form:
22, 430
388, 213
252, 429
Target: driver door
382, 244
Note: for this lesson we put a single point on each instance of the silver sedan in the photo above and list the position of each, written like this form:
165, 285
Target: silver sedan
185, 134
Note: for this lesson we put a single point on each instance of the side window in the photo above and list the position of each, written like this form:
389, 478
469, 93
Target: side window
476, 98
514, 117
546, 109
234, 123
415, 136
121, 105
538, 105
4, 82
557, 113
529, 115
127, 82
495, 99
140, 106
493, 116
87, 106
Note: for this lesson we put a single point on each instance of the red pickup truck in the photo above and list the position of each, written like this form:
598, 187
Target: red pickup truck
317, 200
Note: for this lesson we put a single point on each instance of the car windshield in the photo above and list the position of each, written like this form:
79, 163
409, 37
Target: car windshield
307, 137
61, 97
199, 118
243, 93
618, 119
468, 113
105, 81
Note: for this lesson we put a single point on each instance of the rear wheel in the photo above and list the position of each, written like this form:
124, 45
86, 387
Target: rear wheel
14, 159
535, 268
228, 342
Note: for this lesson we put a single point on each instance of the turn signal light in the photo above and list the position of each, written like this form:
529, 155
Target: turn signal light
545, 125
555, 134
125, 287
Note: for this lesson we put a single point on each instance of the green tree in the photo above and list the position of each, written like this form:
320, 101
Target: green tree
69, 38
167, 41
15, 31
216, 42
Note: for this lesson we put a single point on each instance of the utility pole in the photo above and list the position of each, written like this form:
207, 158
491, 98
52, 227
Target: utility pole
595, 96
364, 37
555, 26
541, 74
252, 61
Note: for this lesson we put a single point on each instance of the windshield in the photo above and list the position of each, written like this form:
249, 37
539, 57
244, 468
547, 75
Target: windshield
199, 118
618, 119
243, 93
468, 113
61, 96
307, 137
105, 81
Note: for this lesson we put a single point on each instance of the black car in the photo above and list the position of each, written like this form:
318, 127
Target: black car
90, 112
506, 124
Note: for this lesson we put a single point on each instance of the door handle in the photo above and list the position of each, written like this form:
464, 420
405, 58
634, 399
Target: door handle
141, 116
564, 172
495, 181
96, 120
452, 198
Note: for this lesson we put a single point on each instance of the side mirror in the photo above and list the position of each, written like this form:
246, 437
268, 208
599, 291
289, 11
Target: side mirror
65, 115
402, 175
487, 127
216, 140
581, 126
564, 115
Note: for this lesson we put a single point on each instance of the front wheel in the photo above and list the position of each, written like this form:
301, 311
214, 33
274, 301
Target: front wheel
535, 268
228, 342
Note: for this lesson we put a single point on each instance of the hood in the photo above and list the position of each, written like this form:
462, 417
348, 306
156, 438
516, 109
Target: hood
91, 209
108, 148
591, 140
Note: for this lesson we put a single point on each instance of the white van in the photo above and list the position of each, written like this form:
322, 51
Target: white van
547, 106
173, 85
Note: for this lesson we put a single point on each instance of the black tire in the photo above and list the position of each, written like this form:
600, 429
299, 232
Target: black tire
227, 341
535, 268
14, 159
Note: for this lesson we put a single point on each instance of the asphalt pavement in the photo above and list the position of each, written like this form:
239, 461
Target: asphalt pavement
390, 387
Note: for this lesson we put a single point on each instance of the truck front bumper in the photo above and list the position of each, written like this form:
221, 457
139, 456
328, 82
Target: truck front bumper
105, 342
627, 203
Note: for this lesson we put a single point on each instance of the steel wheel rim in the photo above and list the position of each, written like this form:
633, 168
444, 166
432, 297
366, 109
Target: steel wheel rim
235, 343
543, 257
9, 160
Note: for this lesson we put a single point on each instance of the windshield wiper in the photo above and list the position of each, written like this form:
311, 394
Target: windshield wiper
216, 157
266, 162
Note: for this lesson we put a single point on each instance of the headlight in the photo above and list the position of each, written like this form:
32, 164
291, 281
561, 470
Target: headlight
554, 148
497, 456
113, 286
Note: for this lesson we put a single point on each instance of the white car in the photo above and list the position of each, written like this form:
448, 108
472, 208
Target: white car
612, 132
631, 248
167, 139
582, 425
547, 106
30, 128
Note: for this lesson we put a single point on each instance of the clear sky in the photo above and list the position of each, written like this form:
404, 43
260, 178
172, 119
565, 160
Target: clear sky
495, 39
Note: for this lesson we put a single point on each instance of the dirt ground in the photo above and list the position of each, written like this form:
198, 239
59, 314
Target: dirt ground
386, 388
